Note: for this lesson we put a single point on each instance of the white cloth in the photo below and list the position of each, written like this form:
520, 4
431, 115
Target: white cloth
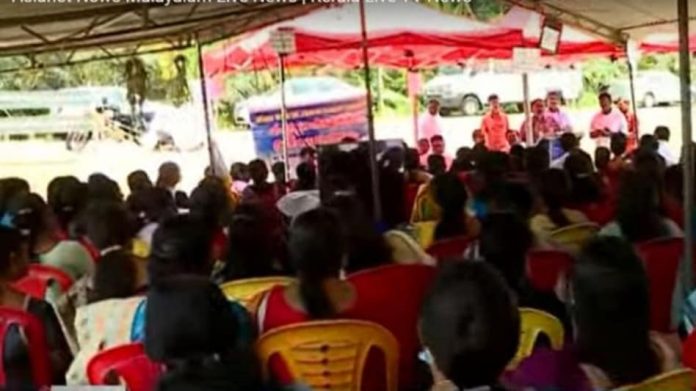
615, 121
429, 125
666, 153
297, 202
560, 162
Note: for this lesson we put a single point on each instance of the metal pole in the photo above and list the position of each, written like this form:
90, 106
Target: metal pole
528, 123
631, 82
374, 173
687, 152
284, 116
206, 109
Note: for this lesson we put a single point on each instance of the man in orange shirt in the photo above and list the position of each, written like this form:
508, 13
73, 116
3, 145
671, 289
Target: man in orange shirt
495, 126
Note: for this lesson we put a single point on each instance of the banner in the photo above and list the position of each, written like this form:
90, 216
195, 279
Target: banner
308, 125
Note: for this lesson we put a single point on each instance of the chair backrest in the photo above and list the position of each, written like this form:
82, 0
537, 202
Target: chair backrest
600, 213
678, 380
36, 343
448, 248
534, 324
128, 363
330, 354
38, 278
661, 258
544, 268
394, 308
573, 237
689, 351
245, 290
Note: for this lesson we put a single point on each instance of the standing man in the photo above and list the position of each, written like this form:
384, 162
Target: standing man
429, 124
608, 121
561, 120
495, 126
624, 105
542, 124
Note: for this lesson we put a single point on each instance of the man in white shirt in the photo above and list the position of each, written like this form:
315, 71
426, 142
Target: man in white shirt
561, 120
429, 123
662, 135
609, 120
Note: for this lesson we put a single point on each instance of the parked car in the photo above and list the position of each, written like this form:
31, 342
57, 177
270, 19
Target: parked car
298, 91
467, 90
652, 88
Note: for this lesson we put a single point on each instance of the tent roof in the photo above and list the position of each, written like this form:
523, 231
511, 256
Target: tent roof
47, 25
574, 44
333, 36
616, 20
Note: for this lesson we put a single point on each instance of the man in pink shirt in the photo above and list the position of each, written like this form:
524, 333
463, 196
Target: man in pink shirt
561, 121
429, 123
495, 126
608, 121
542, 124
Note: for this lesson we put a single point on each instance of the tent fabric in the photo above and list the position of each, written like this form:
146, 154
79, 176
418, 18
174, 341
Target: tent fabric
38, 26
402, 34
617, 20
665, 43
574, 44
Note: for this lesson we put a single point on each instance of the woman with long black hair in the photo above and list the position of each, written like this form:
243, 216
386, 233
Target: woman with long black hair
317, 249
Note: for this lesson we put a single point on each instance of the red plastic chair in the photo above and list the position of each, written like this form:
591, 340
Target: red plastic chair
36, 343
129, 363
449, 248
391, 296
36, 282
689, 351
600, 213
661, 258
544, 268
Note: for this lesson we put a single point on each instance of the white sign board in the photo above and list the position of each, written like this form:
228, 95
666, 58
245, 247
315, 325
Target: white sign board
526, 59
283, 40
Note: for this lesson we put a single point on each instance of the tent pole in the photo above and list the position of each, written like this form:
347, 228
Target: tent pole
687, 151
284, 116
525, 91
631, 82
374, 173
206, 108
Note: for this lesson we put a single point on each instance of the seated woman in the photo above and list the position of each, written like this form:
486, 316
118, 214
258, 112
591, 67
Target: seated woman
66, 197
16, 362
414, 173
202, 356
470, 327
250, 248
554, 188
317, 249
180, 245
638, 214
365, 246
612, 345
31, 214
585, 186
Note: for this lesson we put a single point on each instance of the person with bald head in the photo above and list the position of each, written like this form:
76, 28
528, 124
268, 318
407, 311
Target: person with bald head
168, 178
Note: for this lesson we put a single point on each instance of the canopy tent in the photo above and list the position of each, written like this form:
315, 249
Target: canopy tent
665, 43
574, 44
401, 34
126, 28
614, 20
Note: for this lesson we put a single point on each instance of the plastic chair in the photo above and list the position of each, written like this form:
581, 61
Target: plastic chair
37, 345
689, 351
544, 268
600, 213
573, 237
394, 308
661, 258
129, 363
39, 277
677, 380
245, 290
330, 354
449, 248
535, 323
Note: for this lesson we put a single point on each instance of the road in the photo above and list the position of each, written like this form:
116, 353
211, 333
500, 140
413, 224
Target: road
40, 161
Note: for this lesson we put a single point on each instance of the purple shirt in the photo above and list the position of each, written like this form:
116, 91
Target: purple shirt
561, 120
549, 369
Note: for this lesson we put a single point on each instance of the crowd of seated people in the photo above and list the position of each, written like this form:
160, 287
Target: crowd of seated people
148, 268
